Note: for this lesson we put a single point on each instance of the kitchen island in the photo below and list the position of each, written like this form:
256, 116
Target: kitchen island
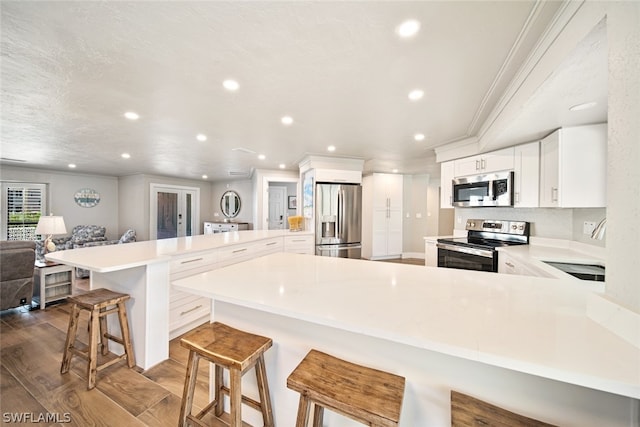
144, 270
522, 343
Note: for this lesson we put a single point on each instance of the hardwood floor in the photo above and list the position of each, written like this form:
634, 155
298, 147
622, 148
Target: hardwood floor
31, 346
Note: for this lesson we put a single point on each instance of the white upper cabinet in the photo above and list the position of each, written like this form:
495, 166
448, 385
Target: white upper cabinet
494, 161
573, 167
447, 173
526, 168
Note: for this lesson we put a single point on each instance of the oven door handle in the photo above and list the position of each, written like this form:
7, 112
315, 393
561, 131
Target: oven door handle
466, 250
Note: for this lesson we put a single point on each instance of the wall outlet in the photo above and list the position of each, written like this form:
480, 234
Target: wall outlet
588, 227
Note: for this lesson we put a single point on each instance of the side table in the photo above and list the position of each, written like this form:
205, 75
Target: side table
52, 282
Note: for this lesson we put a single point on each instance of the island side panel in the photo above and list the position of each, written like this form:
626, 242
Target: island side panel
147, 310
430, 377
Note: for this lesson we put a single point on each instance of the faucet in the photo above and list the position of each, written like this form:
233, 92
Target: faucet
598, 232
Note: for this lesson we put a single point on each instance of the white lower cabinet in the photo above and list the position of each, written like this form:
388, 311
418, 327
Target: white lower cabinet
431, 252
510, 265
186, 310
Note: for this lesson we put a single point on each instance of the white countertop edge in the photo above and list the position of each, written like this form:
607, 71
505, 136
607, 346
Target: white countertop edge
621, 321
615, 387
557, 374
112, 268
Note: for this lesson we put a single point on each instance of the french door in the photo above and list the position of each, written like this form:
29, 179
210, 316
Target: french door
174, 211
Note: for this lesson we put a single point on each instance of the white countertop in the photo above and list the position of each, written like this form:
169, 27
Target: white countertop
535, 255
529, 324
109, 258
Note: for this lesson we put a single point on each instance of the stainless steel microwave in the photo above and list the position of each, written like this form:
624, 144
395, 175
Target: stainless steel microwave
492, 189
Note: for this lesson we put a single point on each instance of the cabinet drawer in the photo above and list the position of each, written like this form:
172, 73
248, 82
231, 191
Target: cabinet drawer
268, 246
236, 253
192, 261
299, 244
188, 310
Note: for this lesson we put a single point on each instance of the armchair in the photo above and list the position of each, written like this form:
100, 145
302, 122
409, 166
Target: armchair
17, 259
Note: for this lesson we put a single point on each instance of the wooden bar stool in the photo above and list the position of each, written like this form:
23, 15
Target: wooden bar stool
367, 395
231, 349
100, 303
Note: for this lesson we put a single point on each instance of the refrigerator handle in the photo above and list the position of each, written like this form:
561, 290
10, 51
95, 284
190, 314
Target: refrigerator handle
339, 215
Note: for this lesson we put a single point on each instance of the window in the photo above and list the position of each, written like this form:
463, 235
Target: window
22, 205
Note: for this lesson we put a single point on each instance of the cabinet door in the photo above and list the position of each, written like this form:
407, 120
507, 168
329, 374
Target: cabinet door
431, 253
394, 191
447, 173
526, 175
549, 171
467, 166
496, 161
394, 232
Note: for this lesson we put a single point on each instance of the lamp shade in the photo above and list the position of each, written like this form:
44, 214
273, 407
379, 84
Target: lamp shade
48, 225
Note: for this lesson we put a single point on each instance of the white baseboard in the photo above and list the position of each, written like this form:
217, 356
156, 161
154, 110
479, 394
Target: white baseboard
416, 255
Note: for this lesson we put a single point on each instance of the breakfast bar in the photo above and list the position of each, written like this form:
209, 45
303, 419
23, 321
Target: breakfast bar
523, 343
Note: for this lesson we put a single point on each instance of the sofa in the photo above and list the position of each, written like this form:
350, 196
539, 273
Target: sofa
17, 260
84, 236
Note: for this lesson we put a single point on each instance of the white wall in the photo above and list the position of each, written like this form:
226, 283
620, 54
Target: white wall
61, 188
563, 224
244, 188
415, 203
623, 179
135, 196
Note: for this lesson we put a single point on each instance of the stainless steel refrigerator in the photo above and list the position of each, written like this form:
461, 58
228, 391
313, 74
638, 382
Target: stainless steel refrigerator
338, 210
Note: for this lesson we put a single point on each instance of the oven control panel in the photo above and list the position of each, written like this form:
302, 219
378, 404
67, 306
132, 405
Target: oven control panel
498, 226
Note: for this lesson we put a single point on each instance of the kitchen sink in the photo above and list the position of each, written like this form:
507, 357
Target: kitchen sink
591, 272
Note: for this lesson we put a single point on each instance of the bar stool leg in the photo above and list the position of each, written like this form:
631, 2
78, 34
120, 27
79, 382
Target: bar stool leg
94, 330
303, 411
189, 388
263, 388
104, 341
126, 338
218, 396
71, 338
235, 394
318, 415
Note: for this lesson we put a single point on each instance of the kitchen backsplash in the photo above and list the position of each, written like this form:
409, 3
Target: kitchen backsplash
565, 224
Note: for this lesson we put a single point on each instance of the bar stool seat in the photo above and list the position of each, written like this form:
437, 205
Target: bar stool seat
231, 349
370, 396
100, 303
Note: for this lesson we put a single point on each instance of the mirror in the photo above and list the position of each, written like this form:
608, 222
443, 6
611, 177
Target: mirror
230, 204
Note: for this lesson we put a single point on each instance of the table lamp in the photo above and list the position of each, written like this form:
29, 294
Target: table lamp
50, 225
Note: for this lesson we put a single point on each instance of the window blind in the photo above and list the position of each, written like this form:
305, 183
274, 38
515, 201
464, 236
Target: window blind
24, 205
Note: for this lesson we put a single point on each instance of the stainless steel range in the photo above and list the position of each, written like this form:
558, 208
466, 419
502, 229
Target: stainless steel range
478, 251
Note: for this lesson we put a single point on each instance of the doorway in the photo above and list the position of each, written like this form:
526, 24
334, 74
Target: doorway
174, 211
277, 200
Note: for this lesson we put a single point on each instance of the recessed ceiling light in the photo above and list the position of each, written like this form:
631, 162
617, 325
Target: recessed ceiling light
282, 166
201, 137
231, 85
287, 120
125, 155
261, 156
584, 106
204, 177
331, 148
416, 94
395, 171
418, 136
72, 166
408, 28
131, 115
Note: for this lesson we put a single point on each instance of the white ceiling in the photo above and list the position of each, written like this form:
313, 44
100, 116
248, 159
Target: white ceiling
70, 70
